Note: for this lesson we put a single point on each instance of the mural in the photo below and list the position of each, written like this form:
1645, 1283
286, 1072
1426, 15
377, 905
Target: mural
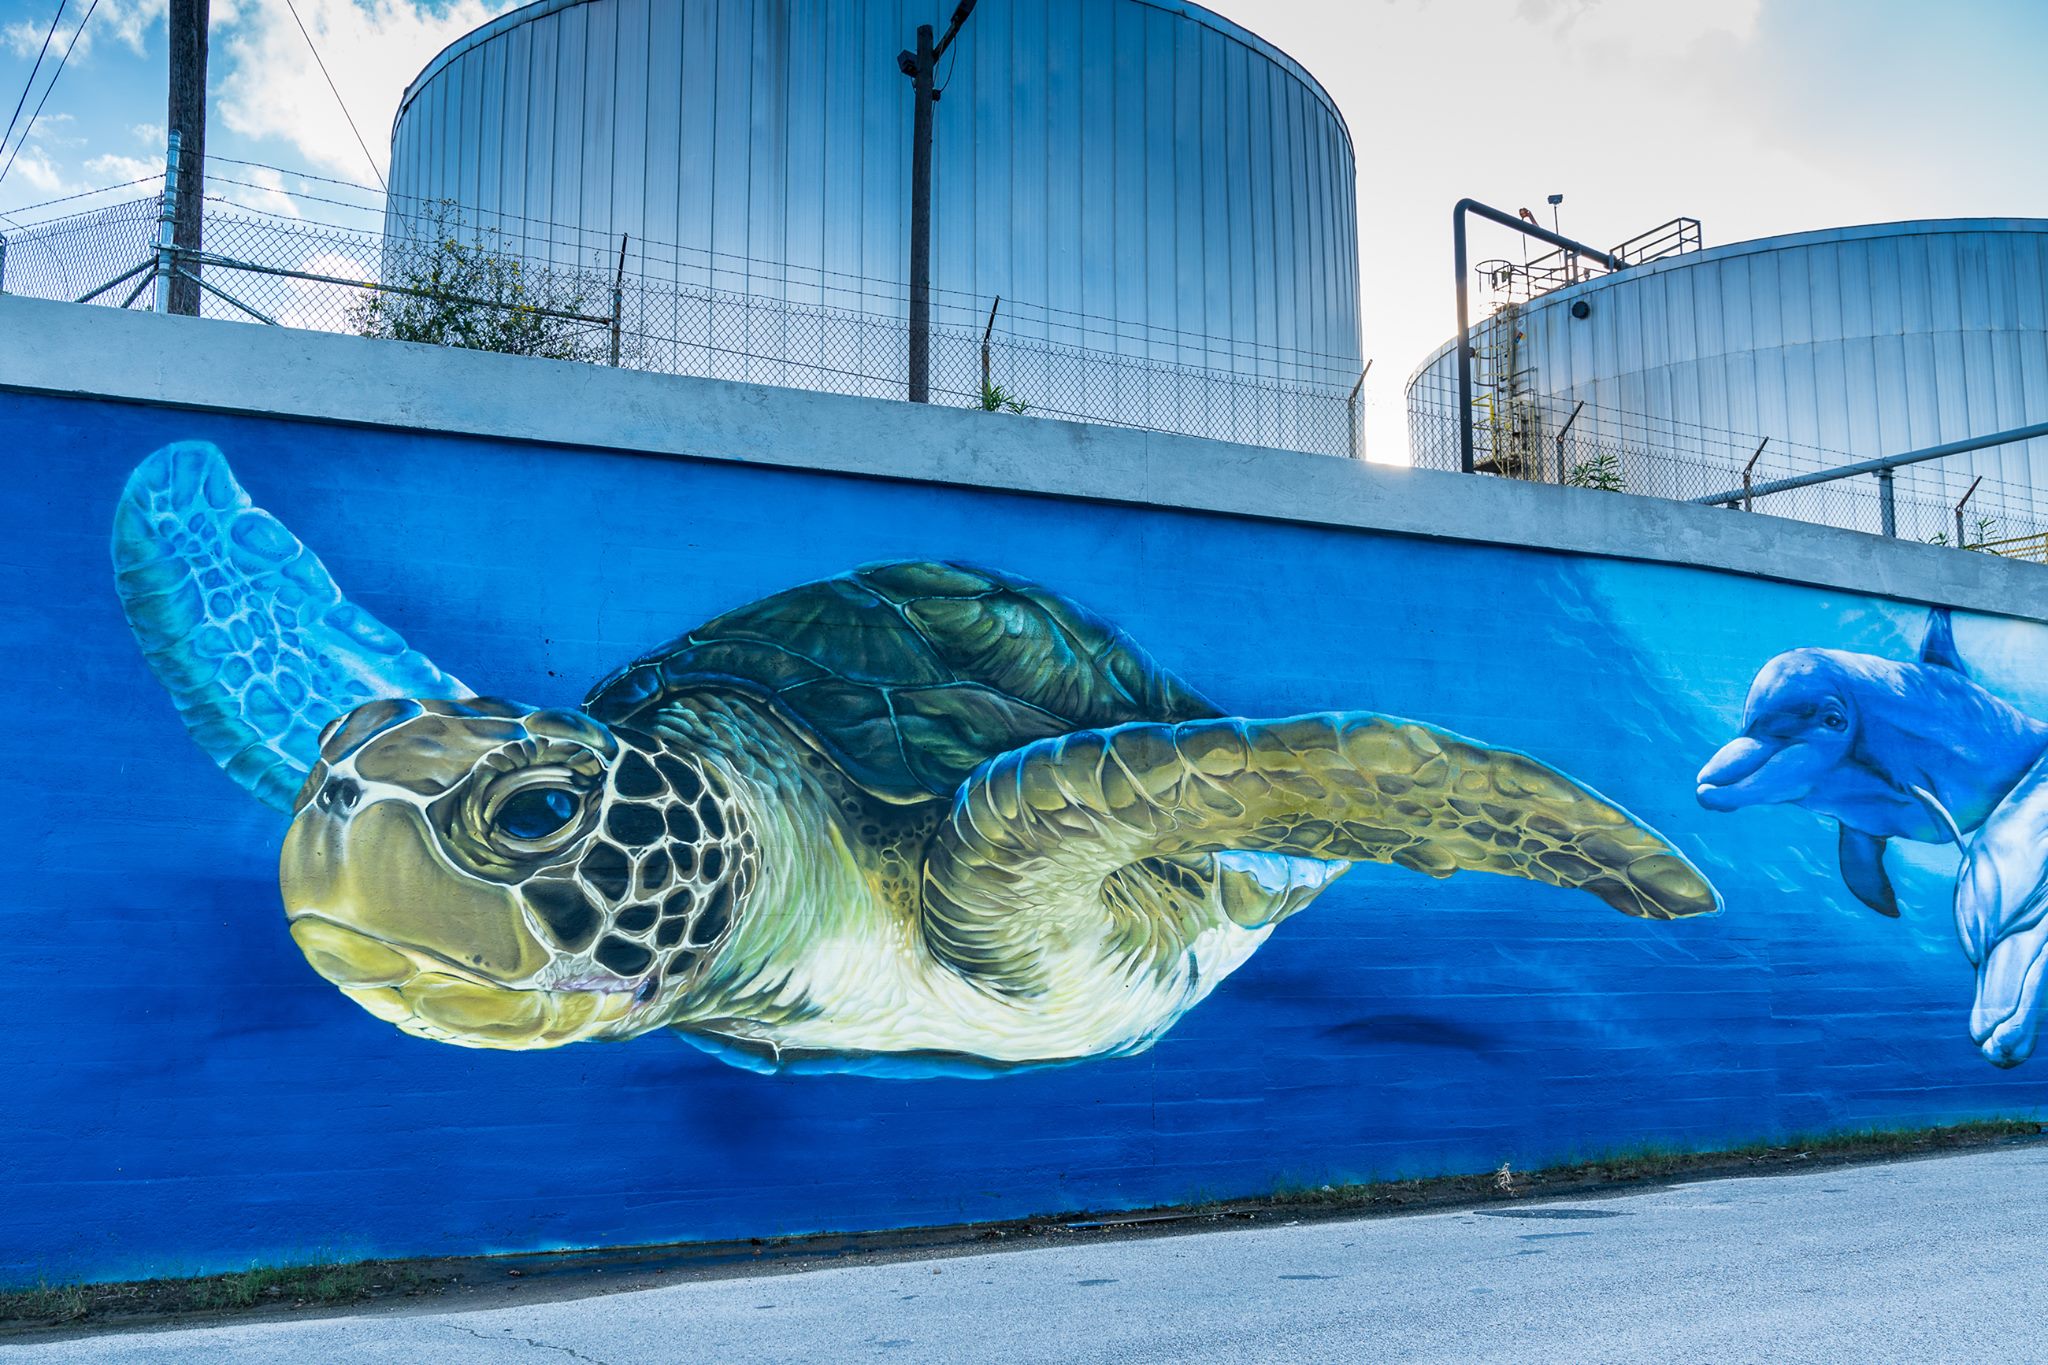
1918, 751
911, 819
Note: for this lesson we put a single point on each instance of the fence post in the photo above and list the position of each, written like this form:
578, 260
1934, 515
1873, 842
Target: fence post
166, 229
984, 347
1748, 481
618, 297
1563, 432
3, 262
1963, 541
1887, 502
1351, 409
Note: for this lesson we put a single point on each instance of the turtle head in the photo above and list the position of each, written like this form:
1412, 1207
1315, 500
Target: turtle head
492, 875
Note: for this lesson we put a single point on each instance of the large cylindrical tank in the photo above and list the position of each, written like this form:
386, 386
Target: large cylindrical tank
1131, 176
1840, 345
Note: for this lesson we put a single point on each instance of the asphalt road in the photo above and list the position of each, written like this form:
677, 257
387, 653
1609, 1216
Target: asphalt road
1920, 1260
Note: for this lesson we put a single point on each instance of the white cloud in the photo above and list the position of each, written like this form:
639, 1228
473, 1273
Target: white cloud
114, 169
272, 87
259, 188
33, 165
127, 22
43, 128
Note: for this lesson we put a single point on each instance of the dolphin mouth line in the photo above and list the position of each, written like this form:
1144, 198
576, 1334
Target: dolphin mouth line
1724, 795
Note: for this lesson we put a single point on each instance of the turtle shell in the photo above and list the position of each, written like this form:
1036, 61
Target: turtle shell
911, 674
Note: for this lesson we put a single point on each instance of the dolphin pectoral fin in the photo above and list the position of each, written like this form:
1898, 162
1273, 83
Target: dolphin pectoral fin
1938, 645
1863, 871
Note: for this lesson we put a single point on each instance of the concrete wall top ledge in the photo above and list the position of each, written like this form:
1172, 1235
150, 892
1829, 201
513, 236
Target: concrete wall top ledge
103, 353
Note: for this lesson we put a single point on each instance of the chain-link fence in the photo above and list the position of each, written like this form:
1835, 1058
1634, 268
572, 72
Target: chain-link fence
1557, 440
438, 273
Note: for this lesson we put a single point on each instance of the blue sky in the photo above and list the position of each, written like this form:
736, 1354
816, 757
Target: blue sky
1755, 116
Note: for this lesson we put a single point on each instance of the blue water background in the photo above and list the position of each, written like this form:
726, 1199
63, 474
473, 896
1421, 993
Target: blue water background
187, 1095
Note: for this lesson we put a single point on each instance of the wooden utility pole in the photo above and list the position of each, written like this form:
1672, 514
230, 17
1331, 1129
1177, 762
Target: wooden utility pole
187, 114
919, 66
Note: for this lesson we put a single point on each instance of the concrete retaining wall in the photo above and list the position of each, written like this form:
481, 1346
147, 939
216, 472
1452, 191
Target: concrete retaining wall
190, 1095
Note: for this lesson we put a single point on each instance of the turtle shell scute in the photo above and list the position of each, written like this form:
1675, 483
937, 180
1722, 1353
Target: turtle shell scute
909, 675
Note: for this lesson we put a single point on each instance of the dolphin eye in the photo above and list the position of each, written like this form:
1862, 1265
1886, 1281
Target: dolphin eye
535, 813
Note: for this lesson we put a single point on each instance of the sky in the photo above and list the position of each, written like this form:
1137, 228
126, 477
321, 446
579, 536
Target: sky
1755, 116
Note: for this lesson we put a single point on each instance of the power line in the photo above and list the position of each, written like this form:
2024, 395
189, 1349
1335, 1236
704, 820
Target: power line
339, 103
69, 48
30, 83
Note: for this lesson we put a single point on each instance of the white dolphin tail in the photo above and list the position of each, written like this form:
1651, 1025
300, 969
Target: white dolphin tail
244, 626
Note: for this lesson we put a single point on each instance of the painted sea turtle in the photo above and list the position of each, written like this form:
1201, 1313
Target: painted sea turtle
915, 816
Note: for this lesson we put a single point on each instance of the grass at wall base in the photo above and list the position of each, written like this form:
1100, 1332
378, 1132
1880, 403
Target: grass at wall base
265, 1289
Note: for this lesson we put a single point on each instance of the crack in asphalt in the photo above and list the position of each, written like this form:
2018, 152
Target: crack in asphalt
537, 1345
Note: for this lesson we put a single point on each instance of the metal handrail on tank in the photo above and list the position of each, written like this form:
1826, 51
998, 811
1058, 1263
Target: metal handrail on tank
1522, 281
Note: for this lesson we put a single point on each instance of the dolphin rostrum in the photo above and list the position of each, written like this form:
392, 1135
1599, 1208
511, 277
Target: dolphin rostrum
1916, 751
1888, 750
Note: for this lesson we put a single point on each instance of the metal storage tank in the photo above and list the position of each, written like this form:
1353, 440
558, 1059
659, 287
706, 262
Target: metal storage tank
1839, 345
1132, 176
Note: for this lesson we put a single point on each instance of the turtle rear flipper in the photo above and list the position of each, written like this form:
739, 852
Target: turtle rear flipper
244, 626
1033, 835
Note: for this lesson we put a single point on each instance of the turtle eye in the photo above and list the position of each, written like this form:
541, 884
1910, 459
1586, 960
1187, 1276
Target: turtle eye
1834, 720
535, 813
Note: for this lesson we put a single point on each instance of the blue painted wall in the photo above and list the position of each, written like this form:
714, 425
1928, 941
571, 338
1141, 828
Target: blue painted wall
186, 1095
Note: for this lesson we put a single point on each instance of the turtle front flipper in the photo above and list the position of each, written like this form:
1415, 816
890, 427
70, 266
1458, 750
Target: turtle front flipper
1033, 835
244, 626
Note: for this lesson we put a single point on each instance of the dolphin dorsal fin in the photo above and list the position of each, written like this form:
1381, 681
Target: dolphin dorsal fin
1938, 645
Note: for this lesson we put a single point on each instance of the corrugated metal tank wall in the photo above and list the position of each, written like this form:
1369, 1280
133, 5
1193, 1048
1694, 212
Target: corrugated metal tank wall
1129, 175
1865, 341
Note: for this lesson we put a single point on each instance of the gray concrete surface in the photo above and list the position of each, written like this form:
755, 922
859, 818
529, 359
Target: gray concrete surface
1921, 1260
64, 349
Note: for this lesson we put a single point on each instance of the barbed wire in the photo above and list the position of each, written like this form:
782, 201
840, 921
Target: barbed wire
304, 272
715, 260
155, 179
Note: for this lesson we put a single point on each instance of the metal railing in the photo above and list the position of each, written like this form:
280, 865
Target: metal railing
439, 272
1924, 495
1522, 281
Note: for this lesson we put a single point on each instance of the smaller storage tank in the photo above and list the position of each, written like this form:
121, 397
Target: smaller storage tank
1837, 346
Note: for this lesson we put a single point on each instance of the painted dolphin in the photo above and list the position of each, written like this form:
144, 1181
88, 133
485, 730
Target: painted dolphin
1888, 750
1914, 751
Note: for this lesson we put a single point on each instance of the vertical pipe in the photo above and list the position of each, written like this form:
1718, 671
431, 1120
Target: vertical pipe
1887, 502
167, 227
921, 217
1458, 263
